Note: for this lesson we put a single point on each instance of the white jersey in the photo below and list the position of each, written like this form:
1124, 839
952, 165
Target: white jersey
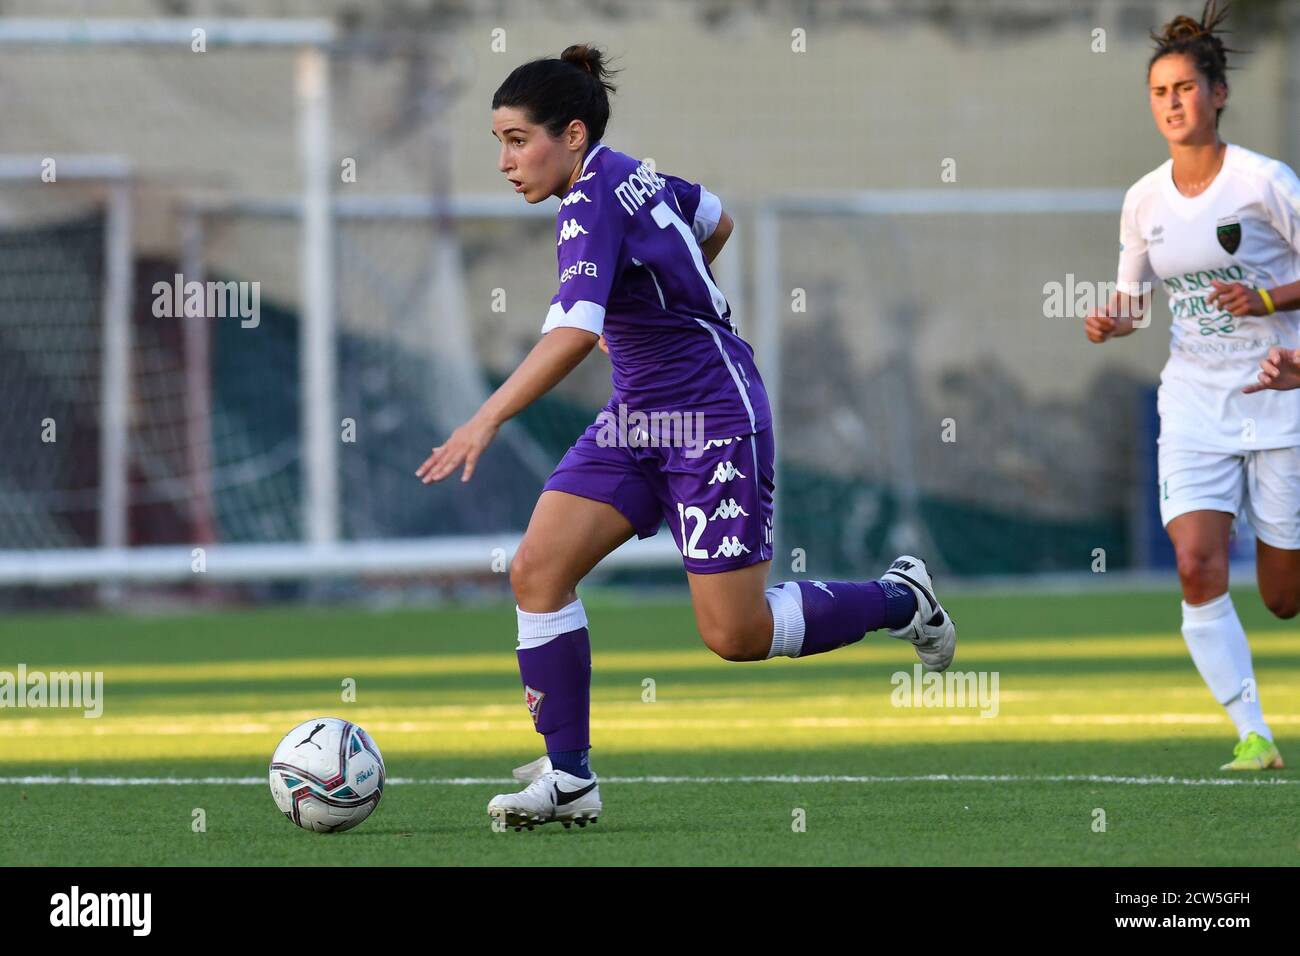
1244, 228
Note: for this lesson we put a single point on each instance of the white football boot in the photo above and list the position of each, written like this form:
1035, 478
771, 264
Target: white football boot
931, 629
550, 795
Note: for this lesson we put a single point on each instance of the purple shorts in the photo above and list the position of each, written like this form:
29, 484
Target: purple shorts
717, 499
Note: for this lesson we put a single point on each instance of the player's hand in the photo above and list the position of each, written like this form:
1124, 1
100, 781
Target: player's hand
1236, 298
1099, 325
604, 346
464, 447
1279, 370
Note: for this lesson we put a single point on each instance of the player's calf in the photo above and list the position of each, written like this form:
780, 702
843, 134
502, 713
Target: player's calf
1282, 605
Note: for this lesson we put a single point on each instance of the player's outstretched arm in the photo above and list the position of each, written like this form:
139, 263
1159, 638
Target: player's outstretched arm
557, 354
1280, 370
1117, 318
721, 233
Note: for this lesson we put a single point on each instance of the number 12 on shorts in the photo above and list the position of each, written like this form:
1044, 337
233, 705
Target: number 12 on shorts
701, 520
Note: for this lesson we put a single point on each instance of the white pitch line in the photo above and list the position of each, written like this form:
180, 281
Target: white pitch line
774, 778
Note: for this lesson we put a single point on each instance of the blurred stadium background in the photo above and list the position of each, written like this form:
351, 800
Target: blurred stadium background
338, 154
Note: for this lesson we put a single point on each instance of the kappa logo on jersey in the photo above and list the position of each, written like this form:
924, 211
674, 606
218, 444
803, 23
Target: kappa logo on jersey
580, 268
570, 230
728, 508
1228, 231
533, 698
725, 472
575, 197
1157, 236
730, 547
822, 585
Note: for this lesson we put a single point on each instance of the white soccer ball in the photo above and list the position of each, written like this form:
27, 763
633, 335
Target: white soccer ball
327, 775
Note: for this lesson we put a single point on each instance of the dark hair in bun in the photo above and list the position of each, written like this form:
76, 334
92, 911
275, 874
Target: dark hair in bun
1198, 39
554, 92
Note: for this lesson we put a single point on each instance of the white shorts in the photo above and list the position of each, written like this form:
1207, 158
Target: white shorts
1263, 485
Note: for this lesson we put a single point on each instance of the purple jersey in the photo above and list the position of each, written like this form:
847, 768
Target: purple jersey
627, 240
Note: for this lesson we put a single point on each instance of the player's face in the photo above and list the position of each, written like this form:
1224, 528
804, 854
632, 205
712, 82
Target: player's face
537, 164
1183, 103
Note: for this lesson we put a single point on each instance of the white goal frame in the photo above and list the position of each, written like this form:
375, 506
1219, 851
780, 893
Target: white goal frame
909, 531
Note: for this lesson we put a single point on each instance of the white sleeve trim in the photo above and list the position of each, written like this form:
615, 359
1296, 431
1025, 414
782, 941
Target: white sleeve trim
584, 315
707, 215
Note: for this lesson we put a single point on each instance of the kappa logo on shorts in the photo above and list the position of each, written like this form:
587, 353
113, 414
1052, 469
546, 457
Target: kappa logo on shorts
533, 698
730, 547
719, 442
728, 508
725, 472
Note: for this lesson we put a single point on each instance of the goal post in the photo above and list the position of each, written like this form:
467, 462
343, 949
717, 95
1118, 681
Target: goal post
857, 295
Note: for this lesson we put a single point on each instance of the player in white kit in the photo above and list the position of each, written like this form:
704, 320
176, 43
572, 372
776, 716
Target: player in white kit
1219, 227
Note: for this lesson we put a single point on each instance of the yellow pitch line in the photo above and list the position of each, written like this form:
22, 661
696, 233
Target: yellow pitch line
975, 653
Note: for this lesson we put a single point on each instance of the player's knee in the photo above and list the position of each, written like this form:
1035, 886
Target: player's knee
533, 583
1204, 574
521, 573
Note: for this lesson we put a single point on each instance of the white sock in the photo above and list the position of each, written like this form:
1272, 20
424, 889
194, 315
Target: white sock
786, 601
536, 629
1221, 653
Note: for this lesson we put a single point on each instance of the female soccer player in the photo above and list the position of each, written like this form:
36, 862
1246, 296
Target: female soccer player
1219, 226
633, 247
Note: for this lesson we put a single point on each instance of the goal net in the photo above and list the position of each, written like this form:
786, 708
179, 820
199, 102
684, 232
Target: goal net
239, 305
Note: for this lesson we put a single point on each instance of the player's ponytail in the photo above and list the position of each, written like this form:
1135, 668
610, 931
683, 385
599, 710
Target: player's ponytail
1200, 40
554, 92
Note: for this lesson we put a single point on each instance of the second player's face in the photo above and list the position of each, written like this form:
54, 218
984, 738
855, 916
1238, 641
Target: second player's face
534, 162
1182, 102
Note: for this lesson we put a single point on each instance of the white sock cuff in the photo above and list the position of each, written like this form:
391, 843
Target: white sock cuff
1219, 648
787, 619
536, 629
1221, 606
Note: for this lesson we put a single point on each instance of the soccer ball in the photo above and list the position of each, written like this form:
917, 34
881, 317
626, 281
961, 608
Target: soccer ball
327, 775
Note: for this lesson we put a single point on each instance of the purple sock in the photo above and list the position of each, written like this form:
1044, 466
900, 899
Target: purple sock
812, 617
555, 667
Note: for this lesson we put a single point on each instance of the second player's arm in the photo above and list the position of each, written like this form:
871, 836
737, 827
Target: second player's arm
1120, 317
721, 233
557, 354
1240, 299
1286, 298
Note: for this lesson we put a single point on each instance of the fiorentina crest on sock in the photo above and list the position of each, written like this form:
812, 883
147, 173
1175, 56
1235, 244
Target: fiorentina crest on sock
533, 698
